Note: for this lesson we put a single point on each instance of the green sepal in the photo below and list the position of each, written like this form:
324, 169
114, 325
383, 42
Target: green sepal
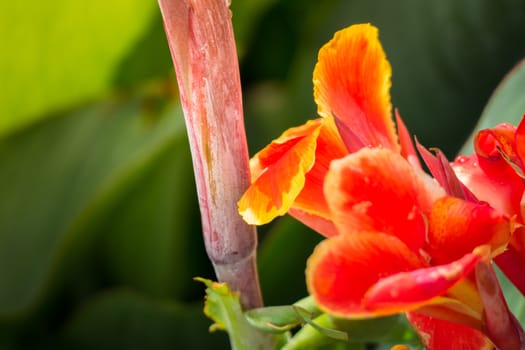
391, 329
279, 319
224, 308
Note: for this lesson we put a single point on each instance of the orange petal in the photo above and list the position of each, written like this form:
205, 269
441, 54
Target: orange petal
311, 200
279, 171
456, 227
352, 83
436, 334
378, 190
344, 267
412, 289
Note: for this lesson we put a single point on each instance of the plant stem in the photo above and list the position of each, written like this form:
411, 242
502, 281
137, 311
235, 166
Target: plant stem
200, 37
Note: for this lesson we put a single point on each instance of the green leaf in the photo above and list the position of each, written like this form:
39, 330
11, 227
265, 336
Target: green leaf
60, 53
125, 320
224, 308
57, 177
392, 329
506, 105
279, 319
334, 334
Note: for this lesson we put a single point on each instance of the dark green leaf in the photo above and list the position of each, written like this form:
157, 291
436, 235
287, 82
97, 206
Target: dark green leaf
124, 320
151, 239
282, 260
56, 178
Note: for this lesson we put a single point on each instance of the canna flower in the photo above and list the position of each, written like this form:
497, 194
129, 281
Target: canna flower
495, 174
288, 174
397, 241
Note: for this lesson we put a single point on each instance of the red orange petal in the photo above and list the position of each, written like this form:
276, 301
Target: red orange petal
436, 334
496, 152
456, 227
329, 146
519, 140
344, 267
317, 223
378, 190
412, 289
352, 84
280, 173
502, 194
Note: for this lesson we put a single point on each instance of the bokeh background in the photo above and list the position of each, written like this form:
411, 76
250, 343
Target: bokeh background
99, 225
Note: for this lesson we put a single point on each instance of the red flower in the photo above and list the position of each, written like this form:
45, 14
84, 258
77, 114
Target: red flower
397, 241
495, 174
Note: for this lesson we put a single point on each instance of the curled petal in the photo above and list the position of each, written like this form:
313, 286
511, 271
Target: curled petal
317, 223
444, 174
378, 190
279, 171
503, 194
409, 290
456, 227
497, 152
289, 173
437, 334
352, 84
343, 268
311, 200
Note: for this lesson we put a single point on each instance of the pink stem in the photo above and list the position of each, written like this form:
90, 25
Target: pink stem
200, 37
500, 325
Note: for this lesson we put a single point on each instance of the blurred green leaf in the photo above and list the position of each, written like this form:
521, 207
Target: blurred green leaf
57, 177
151, 239
245, 18
506, 105
59, 53
282, 260
124, 320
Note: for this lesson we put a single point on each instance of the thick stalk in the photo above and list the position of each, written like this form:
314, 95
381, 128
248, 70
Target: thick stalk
202, 45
